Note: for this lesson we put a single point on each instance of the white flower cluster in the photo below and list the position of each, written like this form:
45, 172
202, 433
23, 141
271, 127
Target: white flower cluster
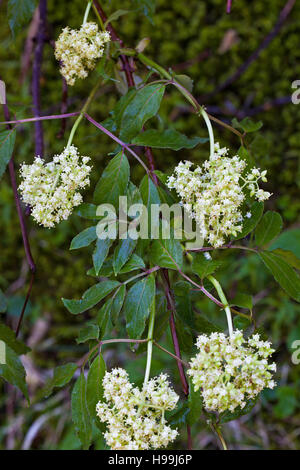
135, 418
230, 371
51, 188
213, 193
78, 50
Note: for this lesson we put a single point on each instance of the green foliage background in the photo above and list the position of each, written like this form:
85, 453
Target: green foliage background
179, 33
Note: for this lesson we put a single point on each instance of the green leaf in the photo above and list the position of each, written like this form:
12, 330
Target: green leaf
19, 13
180, 415
80, 412
167, 253
268, 228
287, 401
84, 238
113, 182
13, 371
135, 262
243, 301
117, 303
230, 416
286, 277
241, 323
137, 306
185, 81
62, 375
247, 125
202, 325
182, 294
195, 405
288, 256
9, 337
103, 317
288, 240
147, 7
100, 253
114, 16
184, 334
170, 139
249, 224
7, 142
94, 389
3, 304
150, 197
143, 106
204, 267
91, 297
122, 253
87, 333
87, 211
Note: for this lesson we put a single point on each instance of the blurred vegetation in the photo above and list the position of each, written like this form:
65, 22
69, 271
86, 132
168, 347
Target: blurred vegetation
181, 32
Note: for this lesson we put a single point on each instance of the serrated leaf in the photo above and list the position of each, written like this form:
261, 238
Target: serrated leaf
268, 228
204, 326
122, 253
87, 211
204, 267
114, 16
180, 415
182, 294
242, 300
13, 371
137, 306
135, 262
9, 337
100, 253
7, 142
117, 303
113, 182
87, 333
195, 405
227, 416
103, 317
3, 304
19, 13
167, 253
62, 375
186, 81
286, 277
143, 106
288, 240
288, 256
249, 224
247, 125
91, 297
80, 413
170, 139
184, 334
84, 238
94, 389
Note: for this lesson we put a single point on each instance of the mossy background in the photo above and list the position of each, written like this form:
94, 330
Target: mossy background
180, 32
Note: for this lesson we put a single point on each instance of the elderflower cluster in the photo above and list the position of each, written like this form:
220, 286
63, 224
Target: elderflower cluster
230, 371
78, 50
51, 188
213, 193
135, 418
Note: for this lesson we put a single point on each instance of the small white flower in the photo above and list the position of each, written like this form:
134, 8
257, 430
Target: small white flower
51, 189
134, 417
78, 50
214, 193
230, 371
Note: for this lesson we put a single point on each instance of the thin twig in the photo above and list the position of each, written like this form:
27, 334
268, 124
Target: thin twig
170, 354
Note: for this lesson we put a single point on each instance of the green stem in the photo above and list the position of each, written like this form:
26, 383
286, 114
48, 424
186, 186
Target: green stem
210, 131
188, 96
83, 110
222, 440
223, 299
150, 342
87, 10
